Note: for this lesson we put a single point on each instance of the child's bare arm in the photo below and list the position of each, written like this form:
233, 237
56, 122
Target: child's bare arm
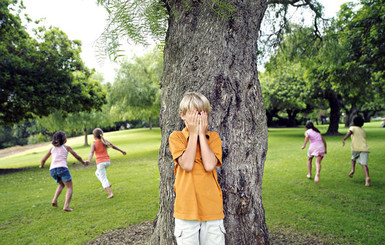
117, 148
186, 160
209, 159
91, 154
346, 136
45, 159
324, 141
305, 142
75, 154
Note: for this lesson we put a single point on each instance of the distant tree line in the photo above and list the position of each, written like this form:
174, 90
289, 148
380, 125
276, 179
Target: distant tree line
46, 87
342, 72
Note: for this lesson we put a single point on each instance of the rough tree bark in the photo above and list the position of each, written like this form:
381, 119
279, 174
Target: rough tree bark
85, 136
335, 104
349, 114
217, 57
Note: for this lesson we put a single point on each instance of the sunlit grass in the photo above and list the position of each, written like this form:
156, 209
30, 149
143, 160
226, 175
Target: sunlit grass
339, 209
26, 216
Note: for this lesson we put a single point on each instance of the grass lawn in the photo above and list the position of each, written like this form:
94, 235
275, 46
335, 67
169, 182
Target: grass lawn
338, 210
26, 216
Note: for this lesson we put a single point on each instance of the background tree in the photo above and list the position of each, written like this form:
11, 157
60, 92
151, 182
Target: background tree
285, 84
135, 93
285, 90
210, 47
90, 91
36, 74
360, 28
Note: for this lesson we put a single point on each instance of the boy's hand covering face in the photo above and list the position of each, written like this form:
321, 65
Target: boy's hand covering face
196, 122
191, 120
203, 123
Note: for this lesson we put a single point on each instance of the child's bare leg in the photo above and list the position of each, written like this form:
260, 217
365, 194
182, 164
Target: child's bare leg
68, 185
367, 179
309, 160
110, 195
57, 193
353, 168
318, 169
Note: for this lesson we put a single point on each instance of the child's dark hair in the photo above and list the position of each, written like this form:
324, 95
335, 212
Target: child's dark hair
310, 125
358, 121
98, 133
59, 138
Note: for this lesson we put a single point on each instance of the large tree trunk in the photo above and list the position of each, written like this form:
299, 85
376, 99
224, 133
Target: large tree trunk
335, 104
150, 122
292, 114
368, 115
217, 57
85, 135
349, 116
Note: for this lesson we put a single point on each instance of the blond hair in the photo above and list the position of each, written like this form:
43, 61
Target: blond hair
98, 133
194, 101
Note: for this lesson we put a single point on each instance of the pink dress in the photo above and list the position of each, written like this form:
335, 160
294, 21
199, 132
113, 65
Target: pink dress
316, 147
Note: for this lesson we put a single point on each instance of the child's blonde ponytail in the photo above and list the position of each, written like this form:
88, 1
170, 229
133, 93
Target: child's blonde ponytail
98, 133
104, 141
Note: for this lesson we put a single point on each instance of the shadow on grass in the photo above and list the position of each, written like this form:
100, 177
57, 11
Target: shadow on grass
11, 170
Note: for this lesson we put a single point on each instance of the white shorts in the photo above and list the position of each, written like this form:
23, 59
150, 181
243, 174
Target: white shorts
361, 157
194, 232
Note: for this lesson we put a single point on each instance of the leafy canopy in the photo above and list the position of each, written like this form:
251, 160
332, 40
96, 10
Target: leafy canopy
36, 74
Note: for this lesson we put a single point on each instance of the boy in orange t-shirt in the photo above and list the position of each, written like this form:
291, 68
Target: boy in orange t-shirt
198, 207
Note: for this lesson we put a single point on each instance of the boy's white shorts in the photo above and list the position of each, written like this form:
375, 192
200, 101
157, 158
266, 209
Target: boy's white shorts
361, 157
194, 232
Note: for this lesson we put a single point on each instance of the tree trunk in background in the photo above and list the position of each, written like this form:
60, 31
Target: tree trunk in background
335, 104
349, 116
292, 114
368, 114
150, 122
217, 58
85, 136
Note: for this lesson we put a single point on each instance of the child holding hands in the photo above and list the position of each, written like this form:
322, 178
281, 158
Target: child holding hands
198, 207
99, 147
59, 169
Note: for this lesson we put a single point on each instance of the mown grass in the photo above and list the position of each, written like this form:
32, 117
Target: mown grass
26, 216
338, 210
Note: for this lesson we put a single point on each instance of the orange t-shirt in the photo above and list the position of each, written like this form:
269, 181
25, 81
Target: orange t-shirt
101, 154
198, 194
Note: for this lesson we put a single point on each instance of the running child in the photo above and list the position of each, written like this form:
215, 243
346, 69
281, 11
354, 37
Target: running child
59, 169
99, 147
317, 149
360, 149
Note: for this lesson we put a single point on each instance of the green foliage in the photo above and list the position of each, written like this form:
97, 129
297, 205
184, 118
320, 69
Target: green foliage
91, 93
135, 93
361, 32
286, 84
37, 73
135, 20
18, 134
363, 27
38, 138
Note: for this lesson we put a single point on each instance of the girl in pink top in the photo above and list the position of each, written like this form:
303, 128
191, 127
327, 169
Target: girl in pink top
99, 147
59, 169
316, 149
